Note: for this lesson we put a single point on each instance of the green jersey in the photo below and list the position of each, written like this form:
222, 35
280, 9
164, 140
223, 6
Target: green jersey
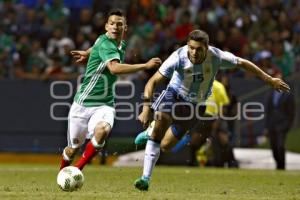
97, 87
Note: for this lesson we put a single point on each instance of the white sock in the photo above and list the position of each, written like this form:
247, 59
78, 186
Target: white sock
95, 143
152, 152
150, 128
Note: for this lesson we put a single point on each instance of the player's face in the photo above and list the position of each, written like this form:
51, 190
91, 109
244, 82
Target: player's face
115, 27
196, 51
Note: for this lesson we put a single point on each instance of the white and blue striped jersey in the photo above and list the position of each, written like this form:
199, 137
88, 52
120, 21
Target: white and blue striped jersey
194, 82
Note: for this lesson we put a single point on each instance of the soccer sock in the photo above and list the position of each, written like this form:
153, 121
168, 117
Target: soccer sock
90, 151
152, 152
150, 128
65, 160
181, 144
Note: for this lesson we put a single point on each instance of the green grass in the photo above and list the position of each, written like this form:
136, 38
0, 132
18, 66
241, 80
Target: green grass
39, 182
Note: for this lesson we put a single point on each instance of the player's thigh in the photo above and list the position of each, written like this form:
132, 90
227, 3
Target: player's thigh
184, 119
101, 117
169, 140
77, 125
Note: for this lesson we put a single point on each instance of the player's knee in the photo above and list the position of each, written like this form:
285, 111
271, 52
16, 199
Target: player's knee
157, 134
101, 131
165, 146
165, 149
102, 128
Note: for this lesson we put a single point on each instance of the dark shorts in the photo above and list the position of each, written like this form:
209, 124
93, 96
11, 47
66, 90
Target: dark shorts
206, 126
184, 114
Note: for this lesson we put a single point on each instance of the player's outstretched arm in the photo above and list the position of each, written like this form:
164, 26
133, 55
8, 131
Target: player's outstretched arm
81, 56
276, 83
122, 68
155, 80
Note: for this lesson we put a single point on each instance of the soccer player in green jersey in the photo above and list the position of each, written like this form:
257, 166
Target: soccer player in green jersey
92, 112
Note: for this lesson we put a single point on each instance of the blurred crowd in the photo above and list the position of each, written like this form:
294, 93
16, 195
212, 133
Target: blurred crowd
36, 36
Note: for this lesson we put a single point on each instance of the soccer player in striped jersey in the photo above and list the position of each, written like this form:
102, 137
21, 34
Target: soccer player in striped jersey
191, 70
92, 112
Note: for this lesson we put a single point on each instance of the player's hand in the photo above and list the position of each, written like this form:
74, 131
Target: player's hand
80, 56
144, 117
153, 63
279, 85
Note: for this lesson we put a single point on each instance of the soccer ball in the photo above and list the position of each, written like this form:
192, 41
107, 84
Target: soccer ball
70, 178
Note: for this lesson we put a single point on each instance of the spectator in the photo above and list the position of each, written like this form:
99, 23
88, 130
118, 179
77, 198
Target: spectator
230, 111
216, 129
220, 40
203, 23
236, 41
29, 62
81, 41
184, 27
29, 24
280, 114
184, 7
296, 50
37, 59
54, 70
264, 25
256, 25
283, 59
264, 60
57, 42
58, 14
83, 24
98, 23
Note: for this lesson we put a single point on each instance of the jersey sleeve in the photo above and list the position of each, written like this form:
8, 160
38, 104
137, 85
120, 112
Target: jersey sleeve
108, 51
227, 59
168, 67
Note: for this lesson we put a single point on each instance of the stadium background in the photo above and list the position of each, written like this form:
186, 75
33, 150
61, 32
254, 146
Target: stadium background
38, 76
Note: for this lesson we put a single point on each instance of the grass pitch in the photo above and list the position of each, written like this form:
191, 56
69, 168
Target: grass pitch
39, 182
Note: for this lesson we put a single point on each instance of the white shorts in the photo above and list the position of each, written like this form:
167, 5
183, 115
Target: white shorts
83, 120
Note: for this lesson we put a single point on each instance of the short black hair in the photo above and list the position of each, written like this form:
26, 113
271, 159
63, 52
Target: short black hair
117, 12
199, 36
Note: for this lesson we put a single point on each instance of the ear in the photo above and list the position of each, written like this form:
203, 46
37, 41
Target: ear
125, 28
106, 28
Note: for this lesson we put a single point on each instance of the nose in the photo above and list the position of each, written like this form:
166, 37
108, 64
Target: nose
193, 53
115, 27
